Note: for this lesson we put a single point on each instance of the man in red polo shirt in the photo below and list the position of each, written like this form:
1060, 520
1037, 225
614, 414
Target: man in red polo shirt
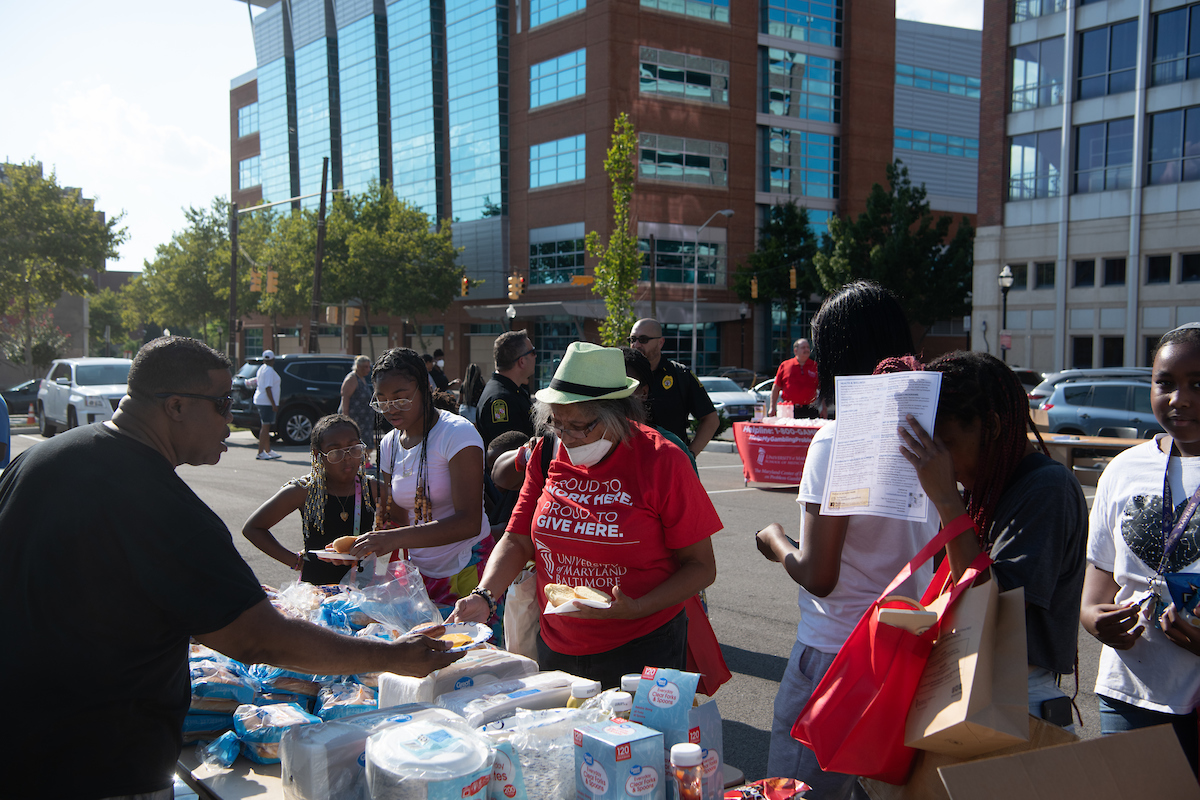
796, 380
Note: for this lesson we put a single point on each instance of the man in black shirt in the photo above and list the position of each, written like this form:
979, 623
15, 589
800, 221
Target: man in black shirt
111, 564
674, 391
505, 402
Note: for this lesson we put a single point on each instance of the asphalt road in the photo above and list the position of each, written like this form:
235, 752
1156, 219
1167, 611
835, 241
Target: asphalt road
752, 605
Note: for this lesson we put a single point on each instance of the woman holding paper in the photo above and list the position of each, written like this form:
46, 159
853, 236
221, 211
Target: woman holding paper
842, 563
1029, 510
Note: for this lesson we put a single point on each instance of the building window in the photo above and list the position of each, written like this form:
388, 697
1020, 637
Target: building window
1108, 60
254, 342
560, 161
1158, 269
1038, 74
802, 86
1175, 146
1043, 275
558, 79
248, 174
674, 158
555, 261
551, 336
1020, 277
677, 345
712, 10
1034, 168
801, 163
928, 142
1081, 352
934, 81
678, 261
1114, 272
543, 11
1031, 9
1112, 353
248, 119
1175, 53
1085, 272
1104, 156
812, 21
685, 76
1189, 268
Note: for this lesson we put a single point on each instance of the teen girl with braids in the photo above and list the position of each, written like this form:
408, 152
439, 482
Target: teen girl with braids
840, 563
1029, 510
1141, 529
337, 500
433, 464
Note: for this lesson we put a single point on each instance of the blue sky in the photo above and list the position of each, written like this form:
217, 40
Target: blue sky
129, 100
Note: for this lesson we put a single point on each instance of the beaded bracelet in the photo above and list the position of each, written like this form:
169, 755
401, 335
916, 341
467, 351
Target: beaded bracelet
299, 562
487, 597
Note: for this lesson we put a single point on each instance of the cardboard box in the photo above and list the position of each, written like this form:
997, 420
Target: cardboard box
1143, 763
703, 728
924, 783
618, 761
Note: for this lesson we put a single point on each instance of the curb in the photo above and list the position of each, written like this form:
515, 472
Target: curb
717, 446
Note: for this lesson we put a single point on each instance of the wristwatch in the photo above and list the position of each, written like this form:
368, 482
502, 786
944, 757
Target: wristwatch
487, 597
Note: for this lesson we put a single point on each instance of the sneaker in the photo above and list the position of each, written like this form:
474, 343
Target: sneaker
263, 456
273, 455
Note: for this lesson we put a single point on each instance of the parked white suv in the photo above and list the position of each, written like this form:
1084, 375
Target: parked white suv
80, 391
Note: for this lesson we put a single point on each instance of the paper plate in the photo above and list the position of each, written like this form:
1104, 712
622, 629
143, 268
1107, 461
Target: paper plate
333, 555
476, 630
573, 606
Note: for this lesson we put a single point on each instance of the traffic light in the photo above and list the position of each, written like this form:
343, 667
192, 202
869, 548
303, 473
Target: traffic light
513, 291
792, 278
521, 285
272, 281
754, 288
255, 281
466, 285
351, 315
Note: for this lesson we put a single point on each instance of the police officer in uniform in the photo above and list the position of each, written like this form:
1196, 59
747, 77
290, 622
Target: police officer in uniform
505, 402
674, 391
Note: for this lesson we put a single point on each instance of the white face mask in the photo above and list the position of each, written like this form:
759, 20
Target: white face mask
585, 455
441, 363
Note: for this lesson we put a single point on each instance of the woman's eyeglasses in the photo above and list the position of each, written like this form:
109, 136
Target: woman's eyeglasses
384, 406
574, 432
354, 451
223, 404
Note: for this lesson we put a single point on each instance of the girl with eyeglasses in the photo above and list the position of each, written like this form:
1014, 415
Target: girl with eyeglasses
335, 499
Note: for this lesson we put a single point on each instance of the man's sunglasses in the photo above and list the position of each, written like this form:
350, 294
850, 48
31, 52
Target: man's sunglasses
530, 352
642, 339
223, 404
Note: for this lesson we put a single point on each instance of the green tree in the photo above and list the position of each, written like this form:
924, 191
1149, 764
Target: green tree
898, 243
620, 263
384, 253
49, 341
785, 242
105, 310
49, 236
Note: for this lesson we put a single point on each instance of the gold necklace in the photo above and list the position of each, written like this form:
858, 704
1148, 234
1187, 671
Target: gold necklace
345, 513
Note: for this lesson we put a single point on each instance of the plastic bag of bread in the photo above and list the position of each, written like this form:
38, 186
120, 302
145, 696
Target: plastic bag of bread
261, 727
344, 700
205, 727
397, 599
278, 679
220, 686
476, 668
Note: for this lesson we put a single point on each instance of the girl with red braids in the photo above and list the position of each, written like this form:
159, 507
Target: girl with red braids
1029, 511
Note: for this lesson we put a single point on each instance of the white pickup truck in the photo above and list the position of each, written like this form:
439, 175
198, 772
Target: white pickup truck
80, 391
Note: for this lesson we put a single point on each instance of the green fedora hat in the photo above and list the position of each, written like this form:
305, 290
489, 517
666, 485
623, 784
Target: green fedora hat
588, 372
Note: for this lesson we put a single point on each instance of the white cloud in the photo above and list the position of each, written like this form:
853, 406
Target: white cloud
955, 13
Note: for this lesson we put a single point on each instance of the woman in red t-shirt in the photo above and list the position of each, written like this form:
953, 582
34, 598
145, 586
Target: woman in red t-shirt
620, 510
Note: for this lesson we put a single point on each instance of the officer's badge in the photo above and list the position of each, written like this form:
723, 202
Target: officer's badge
668, 381
499, 411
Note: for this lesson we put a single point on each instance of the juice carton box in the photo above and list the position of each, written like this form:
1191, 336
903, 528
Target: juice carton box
664, 702
619, 761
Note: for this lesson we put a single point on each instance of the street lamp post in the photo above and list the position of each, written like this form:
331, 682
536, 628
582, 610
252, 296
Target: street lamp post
744, 310
725, 212
1006, 282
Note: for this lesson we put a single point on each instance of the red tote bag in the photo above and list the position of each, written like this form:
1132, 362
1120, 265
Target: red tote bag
854, 721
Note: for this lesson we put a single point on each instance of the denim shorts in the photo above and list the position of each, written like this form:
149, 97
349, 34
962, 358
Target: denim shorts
266, 414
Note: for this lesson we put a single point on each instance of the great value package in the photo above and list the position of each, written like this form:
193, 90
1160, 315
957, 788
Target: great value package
618, 761
664, 702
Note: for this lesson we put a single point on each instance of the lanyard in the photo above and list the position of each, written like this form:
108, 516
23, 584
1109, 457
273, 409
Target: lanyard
1173, 533
357, 505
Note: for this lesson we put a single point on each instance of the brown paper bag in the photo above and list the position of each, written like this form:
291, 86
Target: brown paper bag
924, 783
522, 615
974, 696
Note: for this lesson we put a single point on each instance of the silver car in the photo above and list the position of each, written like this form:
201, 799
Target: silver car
730, 400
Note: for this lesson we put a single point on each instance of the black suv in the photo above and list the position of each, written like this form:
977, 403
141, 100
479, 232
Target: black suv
311, 387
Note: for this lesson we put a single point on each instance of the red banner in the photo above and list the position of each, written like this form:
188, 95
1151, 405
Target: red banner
772, 453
